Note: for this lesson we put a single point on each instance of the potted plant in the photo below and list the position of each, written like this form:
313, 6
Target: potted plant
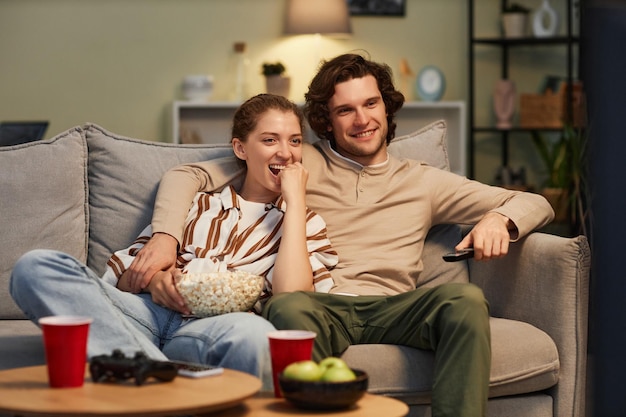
565, 187
275, 80
514, 20
270, 69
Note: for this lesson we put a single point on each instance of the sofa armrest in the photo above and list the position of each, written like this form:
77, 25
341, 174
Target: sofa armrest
544, 281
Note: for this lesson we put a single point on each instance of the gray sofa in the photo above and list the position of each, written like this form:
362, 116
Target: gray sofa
88, 192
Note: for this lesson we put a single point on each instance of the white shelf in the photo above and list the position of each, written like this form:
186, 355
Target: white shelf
210, 122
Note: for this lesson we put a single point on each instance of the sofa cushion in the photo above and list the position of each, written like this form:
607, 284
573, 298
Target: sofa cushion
21, 344
428, 144
524, 359
44, 203
124, 174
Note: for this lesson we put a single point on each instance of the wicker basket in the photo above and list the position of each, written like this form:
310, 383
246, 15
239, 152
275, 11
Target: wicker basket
549, 110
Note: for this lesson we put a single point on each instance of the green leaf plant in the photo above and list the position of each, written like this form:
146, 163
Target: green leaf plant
565, 162
269, 69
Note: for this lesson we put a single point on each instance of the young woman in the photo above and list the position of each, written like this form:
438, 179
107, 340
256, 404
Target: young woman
263, 227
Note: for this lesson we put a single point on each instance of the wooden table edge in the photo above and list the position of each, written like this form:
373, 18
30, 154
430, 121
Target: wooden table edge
30, 382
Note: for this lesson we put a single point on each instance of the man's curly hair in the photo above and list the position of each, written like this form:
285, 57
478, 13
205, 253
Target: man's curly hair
343, 68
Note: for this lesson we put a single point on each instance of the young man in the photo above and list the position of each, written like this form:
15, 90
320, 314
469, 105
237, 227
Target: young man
378, 210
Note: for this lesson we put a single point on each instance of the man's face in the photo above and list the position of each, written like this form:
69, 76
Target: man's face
359, 121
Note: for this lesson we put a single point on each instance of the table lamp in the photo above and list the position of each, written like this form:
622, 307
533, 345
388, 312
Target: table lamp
323, 17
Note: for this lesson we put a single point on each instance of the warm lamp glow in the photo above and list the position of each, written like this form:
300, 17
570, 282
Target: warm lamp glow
324, 17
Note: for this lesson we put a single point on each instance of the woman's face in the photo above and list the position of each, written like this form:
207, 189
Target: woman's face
275, 142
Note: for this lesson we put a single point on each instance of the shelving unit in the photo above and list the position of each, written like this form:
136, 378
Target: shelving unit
209, 122
508, 46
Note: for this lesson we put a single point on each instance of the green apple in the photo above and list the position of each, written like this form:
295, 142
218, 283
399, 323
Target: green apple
303, 371
332, 362
338, 374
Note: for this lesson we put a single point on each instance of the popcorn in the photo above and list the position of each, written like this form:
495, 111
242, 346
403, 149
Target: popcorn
214, 293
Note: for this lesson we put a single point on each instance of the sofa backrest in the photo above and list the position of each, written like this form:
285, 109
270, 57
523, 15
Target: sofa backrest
124, 175
89, 192
86, 192
43, 203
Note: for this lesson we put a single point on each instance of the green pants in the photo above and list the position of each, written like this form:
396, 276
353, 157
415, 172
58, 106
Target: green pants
452, 320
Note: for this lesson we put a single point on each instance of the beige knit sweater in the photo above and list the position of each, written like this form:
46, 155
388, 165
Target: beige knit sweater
377, 217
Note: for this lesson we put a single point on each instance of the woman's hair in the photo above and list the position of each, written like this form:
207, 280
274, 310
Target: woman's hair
248, 114
344, 68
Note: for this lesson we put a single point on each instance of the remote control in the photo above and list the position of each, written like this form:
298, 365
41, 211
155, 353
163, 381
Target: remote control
459, 255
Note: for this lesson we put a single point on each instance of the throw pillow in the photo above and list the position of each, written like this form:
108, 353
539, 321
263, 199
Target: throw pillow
44, 203
428, 144
124, 175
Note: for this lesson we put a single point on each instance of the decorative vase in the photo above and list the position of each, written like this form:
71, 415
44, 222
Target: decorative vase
407, 78
545, 21
240, 92
514, 25
504, 95
277, 84
197, 87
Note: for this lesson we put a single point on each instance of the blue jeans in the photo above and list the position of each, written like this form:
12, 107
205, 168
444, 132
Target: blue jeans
46, 282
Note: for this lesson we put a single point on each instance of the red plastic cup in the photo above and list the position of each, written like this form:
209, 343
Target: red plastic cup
65, 342
286, 347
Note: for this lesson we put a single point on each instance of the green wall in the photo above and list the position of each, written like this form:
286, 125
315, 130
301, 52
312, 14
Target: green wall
120, 63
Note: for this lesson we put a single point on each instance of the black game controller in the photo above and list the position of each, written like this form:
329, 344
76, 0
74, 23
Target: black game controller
119, 367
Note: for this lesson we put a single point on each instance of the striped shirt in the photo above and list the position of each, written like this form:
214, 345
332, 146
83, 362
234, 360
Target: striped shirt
224, 232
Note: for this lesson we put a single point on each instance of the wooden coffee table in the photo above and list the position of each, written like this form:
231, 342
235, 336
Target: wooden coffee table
265, 405
25, 392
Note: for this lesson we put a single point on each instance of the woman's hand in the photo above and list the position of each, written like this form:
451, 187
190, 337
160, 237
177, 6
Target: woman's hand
293, 180
162, 287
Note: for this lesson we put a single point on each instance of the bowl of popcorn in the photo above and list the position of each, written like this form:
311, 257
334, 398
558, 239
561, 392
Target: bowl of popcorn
214, 293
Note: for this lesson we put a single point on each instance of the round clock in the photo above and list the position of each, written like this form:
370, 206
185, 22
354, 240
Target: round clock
430, 83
